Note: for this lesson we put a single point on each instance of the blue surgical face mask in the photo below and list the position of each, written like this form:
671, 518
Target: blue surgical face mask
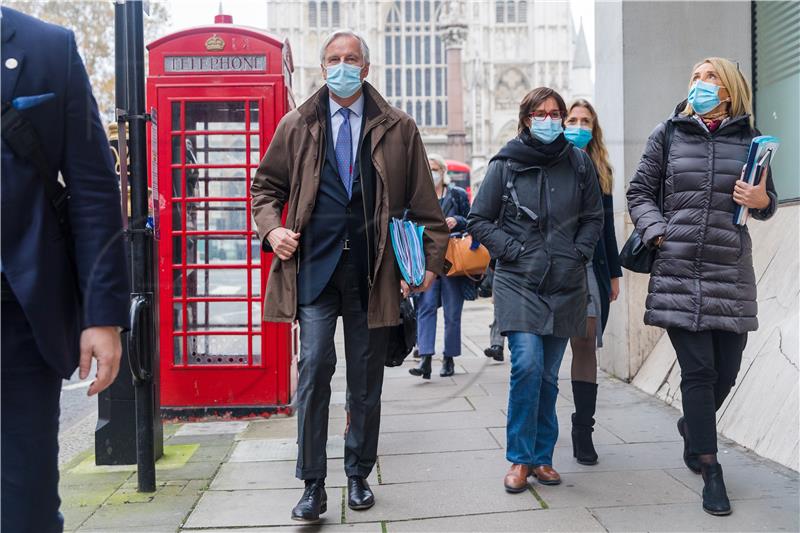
703, 97
546, 130
578, 136
344, 80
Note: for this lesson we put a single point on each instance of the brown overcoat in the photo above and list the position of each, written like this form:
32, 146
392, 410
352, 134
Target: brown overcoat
289, 175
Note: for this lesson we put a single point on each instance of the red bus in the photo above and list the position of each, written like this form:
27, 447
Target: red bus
459, 174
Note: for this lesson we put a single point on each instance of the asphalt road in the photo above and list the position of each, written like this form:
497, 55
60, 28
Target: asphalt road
78, 417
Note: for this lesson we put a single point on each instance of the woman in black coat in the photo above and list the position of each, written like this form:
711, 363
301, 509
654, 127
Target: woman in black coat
702, 286
583, 130
540, 214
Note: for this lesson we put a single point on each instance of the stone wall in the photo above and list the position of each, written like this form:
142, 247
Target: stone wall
761, 412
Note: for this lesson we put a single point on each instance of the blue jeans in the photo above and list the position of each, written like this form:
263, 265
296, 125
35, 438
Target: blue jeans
532, 427
449, 293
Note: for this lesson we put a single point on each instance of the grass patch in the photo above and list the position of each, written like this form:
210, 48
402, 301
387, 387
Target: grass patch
175, 456
538, 498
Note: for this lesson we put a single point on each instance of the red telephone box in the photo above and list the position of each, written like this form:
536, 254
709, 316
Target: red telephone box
217, 94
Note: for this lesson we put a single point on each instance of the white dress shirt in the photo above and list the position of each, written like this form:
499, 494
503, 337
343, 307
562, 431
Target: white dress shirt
356, 111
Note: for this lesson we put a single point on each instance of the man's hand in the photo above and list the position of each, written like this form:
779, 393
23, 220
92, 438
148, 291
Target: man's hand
103, 344
451, 222
612, 297
406, 289
284, 242
751, 196
426, 283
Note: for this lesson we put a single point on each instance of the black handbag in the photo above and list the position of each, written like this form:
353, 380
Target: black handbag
636, 256
402, 338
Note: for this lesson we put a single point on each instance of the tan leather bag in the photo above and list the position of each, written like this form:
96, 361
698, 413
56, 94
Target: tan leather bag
463, 261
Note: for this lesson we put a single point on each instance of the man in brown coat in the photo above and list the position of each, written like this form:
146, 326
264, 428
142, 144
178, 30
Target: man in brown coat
342, 164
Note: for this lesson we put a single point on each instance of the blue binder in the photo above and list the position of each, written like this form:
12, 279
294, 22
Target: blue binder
408, 250
762, 150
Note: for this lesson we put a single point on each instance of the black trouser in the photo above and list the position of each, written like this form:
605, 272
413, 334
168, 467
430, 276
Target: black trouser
30, 407
365, 353
709, 362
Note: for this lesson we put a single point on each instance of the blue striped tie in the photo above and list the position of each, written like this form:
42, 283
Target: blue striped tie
344, 152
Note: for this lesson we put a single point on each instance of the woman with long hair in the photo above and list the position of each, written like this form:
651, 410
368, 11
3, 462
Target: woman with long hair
702, 285
539, 213
584, 131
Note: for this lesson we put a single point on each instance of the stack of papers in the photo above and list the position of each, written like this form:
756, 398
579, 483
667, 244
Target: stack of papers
408, 250
762, 150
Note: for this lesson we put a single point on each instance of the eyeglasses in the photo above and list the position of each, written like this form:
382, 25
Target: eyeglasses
542, 115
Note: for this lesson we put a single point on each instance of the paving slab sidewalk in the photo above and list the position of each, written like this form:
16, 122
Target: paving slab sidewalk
440, 468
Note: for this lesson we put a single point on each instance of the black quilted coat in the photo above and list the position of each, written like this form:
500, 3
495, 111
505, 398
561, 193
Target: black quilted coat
703, 277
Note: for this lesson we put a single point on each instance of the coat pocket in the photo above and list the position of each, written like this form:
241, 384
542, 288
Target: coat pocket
566, 275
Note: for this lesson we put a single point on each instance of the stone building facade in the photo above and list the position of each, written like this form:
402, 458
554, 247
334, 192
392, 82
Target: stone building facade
509, 47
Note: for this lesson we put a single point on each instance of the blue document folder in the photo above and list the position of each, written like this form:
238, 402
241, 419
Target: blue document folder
762, 150
408, 250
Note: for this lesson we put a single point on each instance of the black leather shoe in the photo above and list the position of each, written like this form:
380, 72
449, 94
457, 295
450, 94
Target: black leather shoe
313, 503
715, 497
424, 368
448, 367
690, 459
359, 495
495, 351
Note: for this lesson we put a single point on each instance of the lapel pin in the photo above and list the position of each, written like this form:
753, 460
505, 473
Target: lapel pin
11, 63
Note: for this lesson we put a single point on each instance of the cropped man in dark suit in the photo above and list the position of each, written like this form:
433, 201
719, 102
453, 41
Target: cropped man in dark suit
342, 163
64, 283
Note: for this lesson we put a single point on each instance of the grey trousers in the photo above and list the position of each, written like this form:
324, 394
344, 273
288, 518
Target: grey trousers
365, 352
495, 338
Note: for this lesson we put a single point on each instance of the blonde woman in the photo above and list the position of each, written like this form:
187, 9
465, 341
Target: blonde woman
702, 285
583, 130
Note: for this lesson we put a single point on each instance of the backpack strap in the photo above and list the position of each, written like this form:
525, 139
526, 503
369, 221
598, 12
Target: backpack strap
21, 137
508, 178
578, 163
510, 193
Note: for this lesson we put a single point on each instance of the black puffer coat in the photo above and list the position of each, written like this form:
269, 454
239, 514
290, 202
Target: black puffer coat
703, 277
540, 276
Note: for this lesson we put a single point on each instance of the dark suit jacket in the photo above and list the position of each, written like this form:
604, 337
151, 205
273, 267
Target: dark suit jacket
336, 216
60, 298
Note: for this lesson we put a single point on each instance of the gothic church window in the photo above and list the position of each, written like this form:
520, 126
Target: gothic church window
421, 91
312, 13
511, 12
324, 14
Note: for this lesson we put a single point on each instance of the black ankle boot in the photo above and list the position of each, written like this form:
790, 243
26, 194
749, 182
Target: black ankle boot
584, 395
689, 459
495, 351
448, 367
424, 368
715, 497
